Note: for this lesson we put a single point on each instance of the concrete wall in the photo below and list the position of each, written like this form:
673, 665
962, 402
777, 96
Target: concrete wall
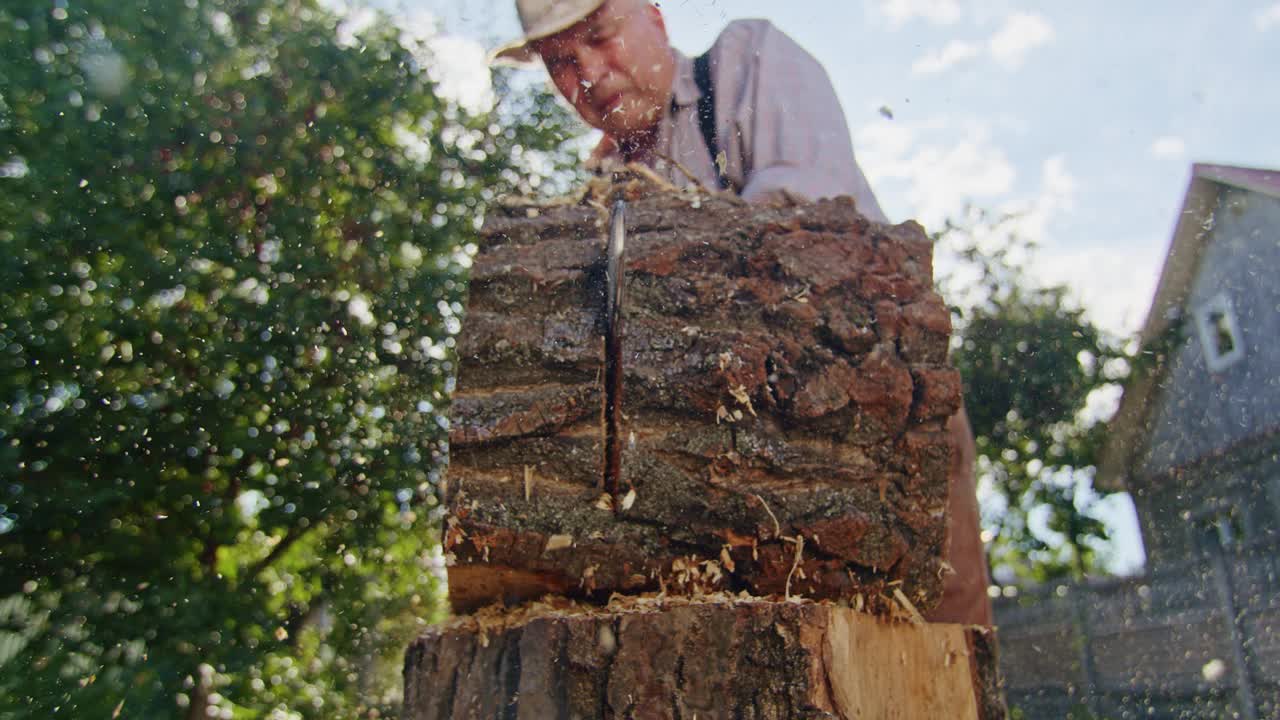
1158, 646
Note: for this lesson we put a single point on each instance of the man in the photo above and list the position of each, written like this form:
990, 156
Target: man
777, 129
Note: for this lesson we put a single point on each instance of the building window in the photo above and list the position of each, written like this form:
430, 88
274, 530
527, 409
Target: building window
1219, 333
1222, 530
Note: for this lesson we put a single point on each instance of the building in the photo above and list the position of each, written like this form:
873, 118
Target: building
1196, 437
1196, 442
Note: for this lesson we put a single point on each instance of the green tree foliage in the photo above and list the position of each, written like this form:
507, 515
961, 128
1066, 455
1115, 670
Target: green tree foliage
232, 248
1030, 359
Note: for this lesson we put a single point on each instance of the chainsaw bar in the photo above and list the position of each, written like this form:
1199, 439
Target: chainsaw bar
613, 350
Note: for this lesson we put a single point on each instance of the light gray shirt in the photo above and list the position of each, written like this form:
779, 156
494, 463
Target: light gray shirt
778, 123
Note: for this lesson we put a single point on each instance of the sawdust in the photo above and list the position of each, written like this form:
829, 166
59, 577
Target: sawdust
498, 618
795, 564
630, 182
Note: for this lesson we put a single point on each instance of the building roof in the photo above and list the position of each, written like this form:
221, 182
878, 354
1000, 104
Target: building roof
1266, 182
1131, 424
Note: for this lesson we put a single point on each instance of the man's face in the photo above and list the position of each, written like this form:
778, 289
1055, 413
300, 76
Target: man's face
615, 67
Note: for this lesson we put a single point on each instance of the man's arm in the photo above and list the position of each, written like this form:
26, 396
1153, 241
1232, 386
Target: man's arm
791, 131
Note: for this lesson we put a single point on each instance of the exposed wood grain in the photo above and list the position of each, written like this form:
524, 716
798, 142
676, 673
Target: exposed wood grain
724, 659
877, 670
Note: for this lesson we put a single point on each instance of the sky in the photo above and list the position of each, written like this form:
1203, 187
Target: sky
1082, 117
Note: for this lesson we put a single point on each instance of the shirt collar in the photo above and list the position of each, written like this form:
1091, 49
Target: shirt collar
684, 89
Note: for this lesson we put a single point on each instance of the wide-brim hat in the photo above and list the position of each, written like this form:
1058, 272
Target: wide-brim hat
541, 19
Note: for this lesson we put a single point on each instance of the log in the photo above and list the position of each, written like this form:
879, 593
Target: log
706, 659
786, 390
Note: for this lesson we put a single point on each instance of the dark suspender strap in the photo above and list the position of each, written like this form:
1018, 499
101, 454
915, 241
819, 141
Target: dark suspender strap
707, 111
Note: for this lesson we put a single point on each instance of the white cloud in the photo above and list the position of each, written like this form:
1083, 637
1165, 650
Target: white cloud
1267, 18
462, 70
1021, 33
459, 65
1032, 219
883, 141
938, 60
1168, 146
938, 12
934, 170
1057, 197
354, 19
1114, 283
940, 178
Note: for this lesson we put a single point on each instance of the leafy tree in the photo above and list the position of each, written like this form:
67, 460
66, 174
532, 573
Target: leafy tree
232, 248
1031, 360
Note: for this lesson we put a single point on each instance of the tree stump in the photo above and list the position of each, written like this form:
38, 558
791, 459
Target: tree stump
707, 659
785, 394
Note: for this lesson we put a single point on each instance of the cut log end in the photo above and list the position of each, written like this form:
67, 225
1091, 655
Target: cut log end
651, 658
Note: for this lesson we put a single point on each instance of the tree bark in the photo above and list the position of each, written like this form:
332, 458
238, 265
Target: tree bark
649, 659
785, 398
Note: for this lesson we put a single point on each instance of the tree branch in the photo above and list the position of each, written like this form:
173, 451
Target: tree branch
292, 535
